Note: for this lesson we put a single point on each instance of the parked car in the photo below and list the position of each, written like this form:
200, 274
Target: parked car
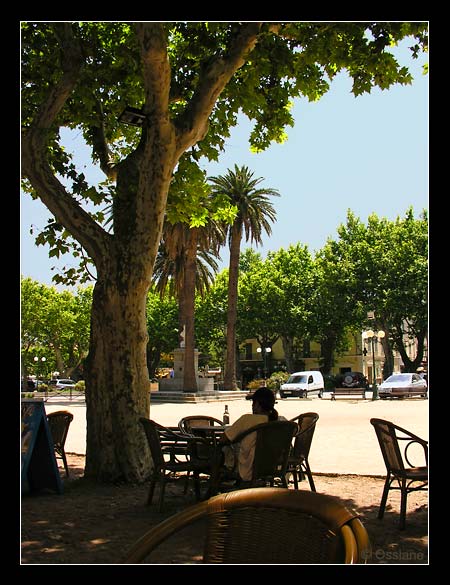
61, 384
351, 380
303, 383
403, 386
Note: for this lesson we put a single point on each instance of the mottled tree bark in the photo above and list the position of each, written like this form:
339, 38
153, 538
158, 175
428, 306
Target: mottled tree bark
117, 383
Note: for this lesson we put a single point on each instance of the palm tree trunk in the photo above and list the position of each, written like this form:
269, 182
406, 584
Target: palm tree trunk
190, 380
233, 275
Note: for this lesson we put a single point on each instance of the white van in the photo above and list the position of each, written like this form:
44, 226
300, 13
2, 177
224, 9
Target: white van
302, 384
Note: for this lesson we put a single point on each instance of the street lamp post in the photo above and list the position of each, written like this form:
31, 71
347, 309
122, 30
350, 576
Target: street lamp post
264, 351
36, 361
370, 336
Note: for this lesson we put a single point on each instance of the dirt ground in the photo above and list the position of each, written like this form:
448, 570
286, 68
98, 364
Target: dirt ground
97, 524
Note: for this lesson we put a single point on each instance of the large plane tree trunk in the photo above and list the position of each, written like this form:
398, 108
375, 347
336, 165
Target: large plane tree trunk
117, 383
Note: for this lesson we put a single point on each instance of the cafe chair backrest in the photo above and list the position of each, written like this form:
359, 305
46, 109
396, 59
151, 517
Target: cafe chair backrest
59, 423
273, 443
188, 423
306, 426
267, 525
401, 473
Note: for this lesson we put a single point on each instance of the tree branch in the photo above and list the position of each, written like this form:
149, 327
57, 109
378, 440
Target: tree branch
61, 204
157, 147
156, 67
100, 146
35, 164
71, 62
192, 125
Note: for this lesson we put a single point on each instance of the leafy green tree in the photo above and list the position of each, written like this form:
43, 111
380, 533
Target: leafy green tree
334, 307
188, 81
258, 307
32, 294
407, 296
55, 325
79, 334
249, 260
257, 302
162, 327
389, 264
211, 320
254, 214
292, 272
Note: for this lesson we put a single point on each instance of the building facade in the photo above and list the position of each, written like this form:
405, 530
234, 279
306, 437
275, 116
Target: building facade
363, 356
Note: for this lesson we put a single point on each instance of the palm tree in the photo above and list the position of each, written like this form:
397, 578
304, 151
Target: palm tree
185, 263
254, 211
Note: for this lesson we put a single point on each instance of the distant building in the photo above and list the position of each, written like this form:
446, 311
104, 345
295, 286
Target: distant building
358, 358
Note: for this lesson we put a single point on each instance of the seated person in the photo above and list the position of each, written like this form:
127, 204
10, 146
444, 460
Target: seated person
263, 401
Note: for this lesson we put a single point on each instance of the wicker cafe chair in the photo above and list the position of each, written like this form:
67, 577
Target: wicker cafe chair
272, 447
163, 441
59, 423
267, 525
298, 464
391, 439
188, 423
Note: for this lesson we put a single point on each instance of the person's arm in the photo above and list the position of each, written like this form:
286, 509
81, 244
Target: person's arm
243, 423
234, 430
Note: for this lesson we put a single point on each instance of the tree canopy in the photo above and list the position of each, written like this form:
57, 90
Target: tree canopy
94, 70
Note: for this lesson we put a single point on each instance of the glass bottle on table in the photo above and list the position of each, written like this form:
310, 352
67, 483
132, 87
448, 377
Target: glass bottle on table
226, 416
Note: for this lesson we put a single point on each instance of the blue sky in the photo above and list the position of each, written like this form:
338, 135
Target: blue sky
368, 154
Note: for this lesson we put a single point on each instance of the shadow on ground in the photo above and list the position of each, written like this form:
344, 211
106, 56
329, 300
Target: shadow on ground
91, 524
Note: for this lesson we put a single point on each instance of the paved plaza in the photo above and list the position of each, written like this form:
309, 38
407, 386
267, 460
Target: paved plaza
344, 440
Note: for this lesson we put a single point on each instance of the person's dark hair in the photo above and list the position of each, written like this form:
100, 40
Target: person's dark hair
266, 399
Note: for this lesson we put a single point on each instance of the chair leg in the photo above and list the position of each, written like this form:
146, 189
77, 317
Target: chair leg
197, 485
162, 489
404, 496
387, 485
295, 476
64, 459
151, 490
213, 485
215, 475
186, 482
309, 475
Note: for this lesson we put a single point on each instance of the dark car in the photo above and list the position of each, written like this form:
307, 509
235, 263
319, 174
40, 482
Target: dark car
352, 380
28, 386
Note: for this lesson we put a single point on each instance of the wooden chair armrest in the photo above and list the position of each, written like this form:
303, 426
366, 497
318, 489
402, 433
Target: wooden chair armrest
421, 442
